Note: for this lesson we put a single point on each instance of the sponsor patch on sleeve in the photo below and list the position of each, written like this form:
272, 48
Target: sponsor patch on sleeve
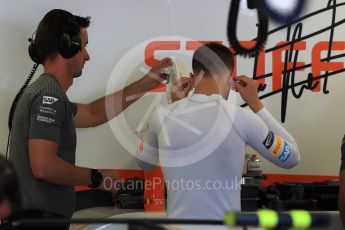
278, 145
268, 142
49, 100
286, 152
47, 110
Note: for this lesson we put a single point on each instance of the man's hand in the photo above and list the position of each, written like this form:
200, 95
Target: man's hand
110, 181
181, 89
155, 74
248, 90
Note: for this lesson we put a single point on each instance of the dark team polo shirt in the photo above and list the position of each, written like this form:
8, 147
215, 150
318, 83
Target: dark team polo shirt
342, 166
44, 112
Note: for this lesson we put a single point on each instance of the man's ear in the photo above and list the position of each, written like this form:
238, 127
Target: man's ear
5, 209
232, 85
231, 82
191, 75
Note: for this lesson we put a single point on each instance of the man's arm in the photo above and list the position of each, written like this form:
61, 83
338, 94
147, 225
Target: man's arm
46, 165
46, 125
262, 131
106, 108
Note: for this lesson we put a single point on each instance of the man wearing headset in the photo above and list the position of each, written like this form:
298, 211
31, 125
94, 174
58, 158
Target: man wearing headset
43, 138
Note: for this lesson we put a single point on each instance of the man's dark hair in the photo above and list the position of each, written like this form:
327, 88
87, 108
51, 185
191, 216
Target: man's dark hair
9, 186
51, 29
83, 22
212, 58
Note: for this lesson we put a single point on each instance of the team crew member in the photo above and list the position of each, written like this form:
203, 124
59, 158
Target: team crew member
199, 141
341, 197
43, 139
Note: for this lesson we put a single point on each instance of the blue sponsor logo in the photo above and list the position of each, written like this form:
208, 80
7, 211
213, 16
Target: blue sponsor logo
286, 152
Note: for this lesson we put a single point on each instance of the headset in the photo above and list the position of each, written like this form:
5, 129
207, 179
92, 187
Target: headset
69, 43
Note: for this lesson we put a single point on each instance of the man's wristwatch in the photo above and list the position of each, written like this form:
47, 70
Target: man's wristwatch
96, 178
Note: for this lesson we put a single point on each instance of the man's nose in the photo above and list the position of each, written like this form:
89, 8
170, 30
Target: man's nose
87, 56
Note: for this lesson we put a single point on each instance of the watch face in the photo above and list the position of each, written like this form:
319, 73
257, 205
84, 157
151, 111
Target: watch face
130, 126
96, 178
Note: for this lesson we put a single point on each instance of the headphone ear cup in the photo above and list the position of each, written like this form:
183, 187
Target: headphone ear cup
69, 46
33, 52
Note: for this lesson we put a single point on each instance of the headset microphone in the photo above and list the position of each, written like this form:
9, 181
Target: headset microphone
33, 52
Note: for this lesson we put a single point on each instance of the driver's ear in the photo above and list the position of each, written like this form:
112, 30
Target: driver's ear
231, 81
192, 76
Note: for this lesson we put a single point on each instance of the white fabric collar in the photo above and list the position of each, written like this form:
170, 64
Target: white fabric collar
202, 98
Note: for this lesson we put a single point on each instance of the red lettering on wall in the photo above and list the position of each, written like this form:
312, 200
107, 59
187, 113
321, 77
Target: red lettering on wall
278, 63
158, 45
318, 66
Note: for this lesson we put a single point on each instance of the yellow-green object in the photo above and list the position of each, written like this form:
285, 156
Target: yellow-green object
300, 219
268, 219
230, 219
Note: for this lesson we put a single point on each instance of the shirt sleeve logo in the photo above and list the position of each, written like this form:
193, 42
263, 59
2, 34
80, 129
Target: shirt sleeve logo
268, 142
286, 153
278, 146
49, 100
